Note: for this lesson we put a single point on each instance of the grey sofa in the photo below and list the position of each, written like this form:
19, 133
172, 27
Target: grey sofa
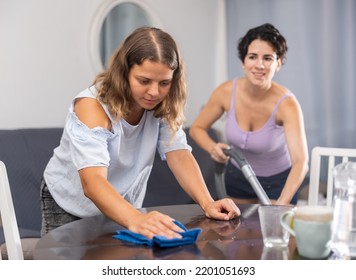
26, 152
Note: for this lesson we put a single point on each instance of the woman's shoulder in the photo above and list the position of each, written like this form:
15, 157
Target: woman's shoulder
90, 92
281, 90
221, 96
224, 89
288, 104
89, 110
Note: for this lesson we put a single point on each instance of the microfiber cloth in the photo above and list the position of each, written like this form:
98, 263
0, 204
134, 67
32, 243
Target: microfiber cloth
188, 236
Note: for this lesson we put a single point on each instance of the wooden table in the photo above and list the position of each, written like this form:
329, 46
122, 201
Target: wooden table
91, 238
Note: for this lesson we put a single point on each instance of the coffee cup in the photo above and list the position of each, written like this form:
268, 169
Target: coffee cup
311, 225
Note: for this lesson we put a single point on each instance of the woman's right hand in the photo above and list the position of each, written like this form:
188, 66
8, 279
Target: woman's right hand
154, 223
218, 154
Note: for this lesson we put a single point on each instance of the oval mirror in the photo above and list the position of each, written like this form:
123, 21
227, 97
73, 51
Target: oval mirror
113, 23
118, 24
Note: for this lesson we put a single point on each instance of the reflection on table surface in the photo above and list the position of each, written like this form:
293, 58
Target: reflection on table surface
91, 238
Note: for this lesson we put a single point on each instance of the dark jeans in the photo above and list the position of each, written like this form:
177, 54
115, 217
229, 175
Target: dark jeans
53, 215
237, 185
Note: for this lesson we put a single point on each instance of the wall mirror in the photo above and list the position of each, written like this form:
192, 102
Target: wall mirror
113, 23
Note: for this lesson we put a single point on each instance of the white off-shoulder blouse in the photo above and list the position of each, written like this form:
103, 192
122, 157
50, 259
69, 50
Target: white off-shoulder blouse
127, 151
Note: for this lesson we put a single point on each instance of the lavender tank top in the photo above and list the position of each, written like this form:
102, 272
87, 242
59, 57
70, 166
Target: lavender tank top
265, 149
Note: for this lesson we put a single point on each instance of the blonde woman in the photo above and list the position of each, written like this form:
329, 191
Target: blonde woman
110, 137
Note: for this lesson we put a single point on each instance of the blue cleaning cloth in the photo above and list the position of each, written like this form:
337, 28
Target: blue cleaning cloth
188, 236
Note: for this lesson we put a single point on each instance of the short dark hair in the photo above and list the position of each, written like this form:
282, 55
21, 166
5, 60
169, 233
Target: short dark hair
268, 33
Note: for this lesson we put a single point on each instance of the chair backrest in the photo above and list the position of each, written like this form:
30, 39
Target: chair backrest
8, 217
342, 154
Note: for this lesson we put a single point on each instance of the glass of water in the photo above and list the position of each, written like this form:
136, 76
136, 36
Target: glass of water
274, 235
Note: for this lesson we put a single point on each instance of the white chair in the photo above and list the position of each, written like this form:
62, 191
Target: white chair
343, 155
8, 217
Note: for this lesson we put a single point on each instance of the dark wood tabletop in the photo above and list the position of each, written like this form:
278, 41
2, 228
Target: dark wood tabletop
92, 238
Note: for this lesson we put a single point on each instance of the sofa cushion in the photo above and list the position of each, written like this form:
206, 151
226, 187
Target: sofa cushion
162, 186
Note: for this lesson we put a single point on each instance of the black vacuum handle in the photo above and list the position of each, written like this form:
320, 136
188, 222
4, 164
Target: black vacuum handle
237, 156
249, 174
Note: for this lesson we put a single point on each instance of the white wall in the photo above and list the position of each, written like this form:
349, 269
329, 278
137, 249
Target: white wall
45, 57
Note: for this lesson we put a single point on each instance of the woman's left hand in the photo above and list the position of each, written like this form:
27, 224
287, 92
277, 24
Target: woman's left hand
223, 209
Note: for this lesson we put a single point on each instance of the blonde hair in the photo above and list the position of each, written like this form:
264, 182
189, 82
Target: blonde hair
157, 46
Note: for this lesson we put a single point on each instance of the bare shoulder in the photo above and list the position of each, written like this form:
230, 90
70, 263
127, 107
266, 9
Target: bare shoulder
91, 113
224, 88
222, 94
289, 109
290, 102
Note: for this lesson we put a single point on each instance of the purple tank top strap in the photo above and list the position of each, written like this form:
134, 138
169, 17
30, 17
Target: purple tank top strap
279, 102
233, 93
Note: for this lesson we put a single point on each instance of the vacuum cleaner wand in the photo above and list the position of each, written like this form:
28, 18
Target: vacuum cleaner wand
249, 174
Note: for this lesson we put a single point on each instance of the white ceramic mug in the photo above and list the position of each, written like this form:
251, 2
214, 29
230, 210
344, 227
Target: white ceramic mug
311, 225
